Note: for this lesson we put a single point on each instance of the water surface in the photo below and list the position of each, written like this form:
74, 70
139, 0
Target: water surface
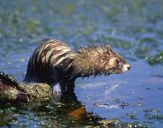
132, 28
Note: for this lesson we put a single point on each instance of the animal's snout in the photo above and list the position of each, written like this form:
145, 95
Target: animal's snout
129, 67
126, 67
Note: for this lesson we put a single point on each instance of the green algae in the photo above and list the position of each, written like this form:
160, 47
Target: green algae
156, 59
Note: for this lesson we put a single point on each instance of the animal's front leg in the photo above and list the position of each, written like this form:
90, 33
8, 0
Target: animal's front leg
67, 88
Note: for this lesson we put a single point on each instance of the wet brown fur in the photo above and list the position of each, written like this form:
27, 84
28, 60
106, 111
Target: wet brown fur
93, 60
54, 62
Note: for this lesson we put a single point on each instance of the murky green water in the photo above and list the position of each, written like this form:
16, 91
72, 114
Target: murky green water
133, 27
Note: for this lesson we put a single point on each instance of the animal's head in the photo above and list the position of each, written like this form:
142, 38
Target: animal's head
111, 62
96, 60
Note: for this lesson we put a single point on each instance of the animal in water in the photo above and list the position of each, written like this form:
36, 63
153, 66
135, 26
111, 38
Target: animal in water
55, 63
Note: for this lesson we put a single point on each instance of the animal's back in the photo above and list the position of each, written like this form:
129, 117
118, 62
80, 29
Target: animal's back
50, 62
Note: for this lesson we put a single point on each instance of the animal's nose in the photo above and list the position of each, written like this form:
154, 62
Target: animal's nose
129, 67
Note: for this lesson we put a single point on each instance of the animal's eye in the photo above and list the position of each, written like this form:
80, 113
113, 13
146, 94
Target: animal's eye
117, 62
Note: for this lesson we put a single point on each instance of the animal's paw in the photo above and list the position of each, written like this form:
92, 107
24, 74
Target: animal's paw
57, 92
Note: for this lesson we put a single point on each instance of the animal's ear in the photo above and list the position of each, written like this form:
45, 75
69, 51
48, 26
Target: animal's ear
111, 52
104, 58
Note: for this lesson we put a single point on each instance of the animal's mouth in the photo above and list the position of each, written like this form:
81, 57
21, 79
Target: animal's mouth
126, 67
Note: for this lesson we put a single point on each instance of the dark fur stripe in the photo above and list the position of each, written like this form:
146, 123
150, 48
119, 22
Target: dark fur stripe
44, 58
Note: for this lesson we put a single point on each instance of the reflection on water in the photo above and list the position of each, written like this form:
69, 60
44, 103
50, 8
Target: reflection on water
133, 28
